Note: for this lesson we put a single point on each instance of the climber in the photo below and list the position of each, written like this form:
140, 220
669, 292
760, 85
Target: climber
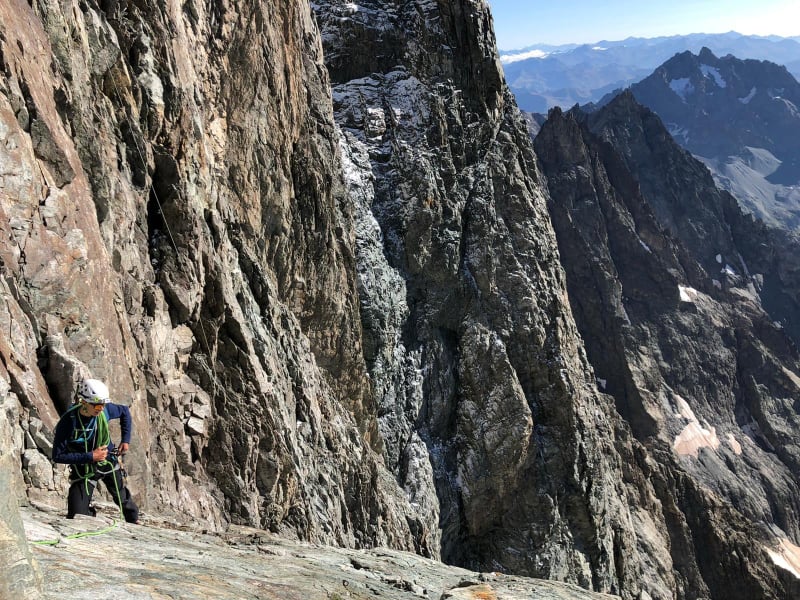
82, 440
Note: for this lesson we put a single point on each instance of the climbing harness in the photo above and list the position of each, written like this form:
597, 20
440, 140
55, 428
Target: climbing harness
95, 426
97, 429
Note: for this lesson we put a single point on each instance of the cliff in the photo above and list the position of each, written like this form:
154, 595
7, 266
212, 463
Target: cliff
175, 223
697, 367
301, 319
310, 247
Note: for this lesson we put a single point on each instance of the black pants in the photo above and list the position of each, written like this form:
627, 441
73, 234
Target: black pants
78, 499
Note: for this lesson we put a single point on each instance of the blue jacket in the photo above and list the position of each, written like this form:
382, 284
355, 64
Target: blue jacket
69, 447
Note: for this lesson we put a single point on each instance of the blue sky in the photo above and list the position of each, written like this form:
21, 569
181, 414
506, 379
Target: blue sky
521, 23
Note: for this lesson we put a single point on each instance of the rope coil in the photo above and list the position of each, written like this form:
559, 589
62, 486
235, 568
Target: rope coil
103, 437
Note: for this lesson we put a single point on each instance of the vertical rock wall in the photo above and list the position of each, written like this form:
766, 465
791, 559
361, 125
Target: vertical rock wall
468, 335
174, 222
697, 368
21, 578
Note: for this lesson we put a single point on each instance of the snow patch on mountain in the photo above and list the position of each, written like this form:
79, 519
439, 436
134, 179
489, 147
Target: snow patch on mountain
791, 107
750, 96
734, 444
678, 132
761, 160
707, 71
695, 435
682, 87
687, 294
787, 557
745, 176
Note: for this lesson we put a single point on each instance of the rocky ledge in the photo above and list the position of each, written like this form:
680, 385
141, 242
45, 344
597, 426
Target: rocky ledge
160, 560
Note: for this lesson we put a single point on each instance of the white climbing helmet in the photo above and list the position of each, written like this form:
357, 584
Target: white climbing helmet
93, 391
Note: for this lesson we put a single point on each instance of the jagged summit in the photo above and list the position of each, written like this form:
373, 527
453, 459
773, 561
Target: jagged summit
544, 77
742, 118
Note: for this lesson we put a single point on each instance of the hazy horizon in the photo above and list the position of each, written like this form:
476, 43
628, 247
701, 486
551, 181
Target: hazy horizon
521, 24
644, 37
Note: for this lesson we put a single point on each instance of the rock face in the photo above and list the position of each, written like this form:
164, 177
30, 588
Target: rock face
311, 249
21, 577
174, 222
357, 337
732, 248
177, 223
468, 337
679, 336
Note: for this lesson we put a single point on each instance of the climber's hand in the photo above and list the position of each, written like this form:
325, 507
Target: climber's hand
100, 454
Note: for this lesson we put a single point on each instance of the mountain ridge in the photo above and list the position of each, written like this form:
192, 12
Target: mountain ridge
645, 236
741, 118
585, 72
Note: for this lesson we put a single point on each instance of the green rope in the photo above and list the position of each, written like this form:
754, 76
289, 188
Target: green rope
83, 534
76, 536
102, 438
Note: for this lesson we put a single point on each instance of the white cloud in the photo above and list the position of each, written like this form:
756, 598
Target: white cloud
510, 58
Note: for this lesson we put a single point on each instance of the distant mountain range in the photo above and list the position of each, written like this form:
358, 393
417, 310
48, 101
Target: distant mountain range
544, 76
740, 117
